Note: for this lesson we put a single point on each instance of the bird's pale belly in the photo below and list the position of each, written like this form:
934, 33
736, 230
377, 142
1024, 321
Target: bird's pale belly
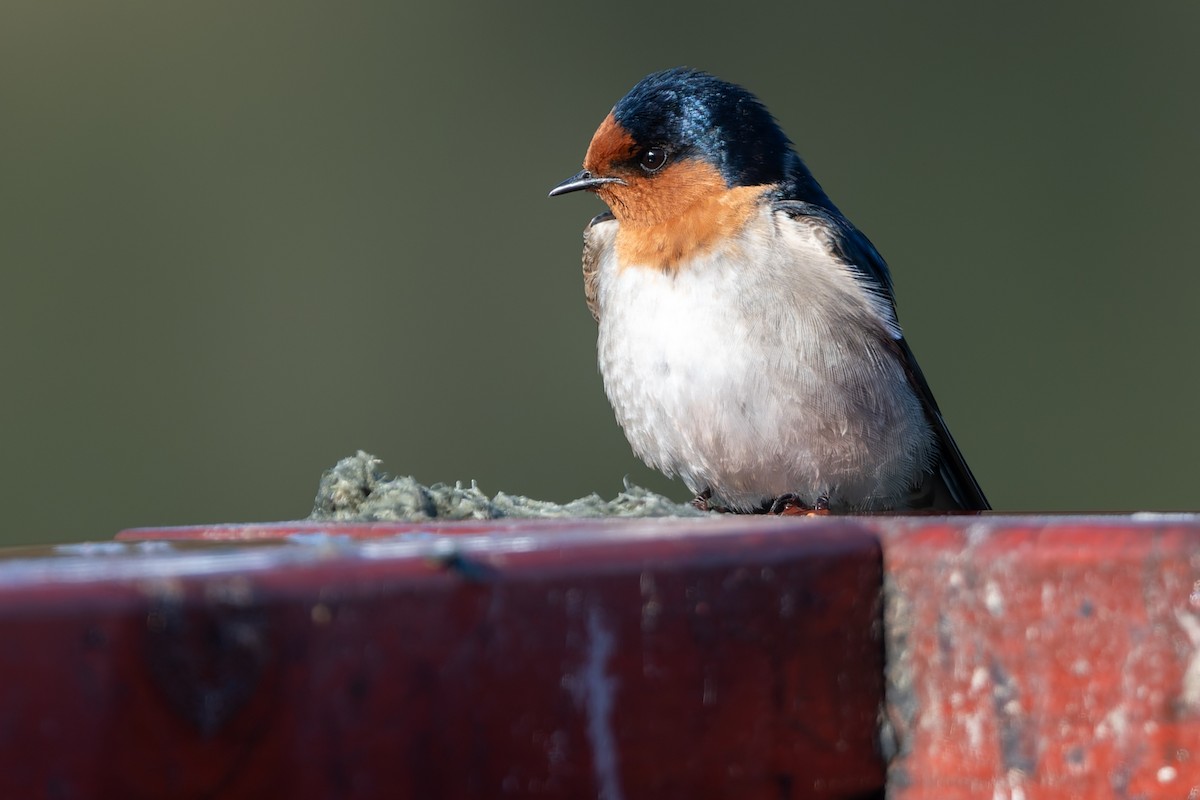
741, 398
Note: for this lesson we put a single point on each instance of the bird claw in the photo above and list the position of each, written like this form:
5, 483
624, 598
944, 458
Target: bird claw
786, 505
704, 502
790, 505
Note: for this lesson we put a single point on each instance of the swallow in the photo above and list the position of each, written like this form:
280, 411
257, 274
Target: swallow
748, 338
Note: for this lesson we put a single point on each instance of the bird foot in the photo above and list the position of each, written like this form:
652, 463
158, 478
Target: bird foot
703, 501
790, 505
786, 505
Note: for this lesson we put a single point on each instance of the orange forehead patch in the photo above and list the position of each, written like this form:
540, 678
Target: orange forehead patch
611, 144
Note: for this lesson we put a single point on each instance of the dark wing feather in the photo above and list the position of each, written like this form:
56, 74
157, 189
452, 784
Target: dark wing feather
591, 263
952, 485
956, 486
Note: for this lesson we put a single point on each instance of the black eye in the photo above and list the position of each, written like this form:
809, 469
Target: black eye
653, 159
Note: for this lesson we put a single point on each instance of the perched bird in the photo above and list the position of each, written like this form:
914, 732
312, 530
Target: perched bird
748, 336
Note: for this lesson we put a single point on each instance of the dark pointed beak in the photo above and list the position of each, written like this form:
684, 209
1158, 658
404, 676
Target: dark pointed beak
582, 180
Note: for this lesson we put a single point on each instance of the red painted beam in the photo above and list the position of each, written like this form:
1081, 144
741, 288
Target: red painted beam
1027, 658
711, 658
1044, 658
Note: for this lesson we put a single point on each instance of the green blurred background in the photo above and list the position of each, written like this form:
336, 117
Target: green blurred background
240, 241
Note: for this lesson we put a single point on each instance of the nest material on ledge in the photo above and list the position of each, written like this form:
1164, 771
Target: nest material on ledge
357, 490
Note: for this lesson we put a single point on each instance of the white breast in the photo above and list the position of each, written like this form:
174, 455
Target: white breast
756, 376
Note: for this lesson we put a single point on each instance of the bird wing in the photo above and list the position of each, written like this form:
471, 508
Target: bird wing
594, 241
952, 485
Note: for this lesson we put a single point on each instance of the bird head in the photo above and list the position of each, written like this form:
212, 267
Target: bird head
680, 136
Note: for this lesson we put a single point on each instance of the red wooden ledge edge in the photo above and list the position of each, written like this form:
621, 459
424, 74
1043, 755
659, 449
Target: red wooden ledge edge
1027, 657
645, 658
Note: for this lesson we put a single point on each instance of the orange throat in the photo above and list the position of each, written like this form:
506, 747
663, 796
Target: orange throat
701, 227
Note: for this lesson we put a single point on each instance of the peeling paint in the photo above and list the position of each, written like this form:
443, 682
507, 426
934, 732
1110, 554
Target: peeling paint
595, 690
993, 600
651, 606
1016, 751
1190, 696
